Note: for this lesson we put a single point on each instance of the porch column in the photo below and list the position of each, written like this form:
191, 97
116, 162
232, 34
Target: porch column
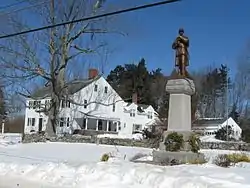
117, 126
86, 124
107, 125
96, 127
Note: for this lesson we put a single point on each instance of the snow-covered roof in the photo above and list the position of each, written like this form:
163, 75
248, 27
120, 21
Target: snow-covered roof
230, 121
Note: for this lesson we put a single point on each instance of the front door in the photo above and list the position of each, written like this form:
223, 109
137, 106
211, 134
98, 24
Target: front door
40, 125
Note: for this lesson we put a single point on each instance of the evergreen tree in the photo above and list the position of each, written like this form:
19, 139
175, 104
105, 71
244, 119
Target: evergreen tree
212, 95
234, 114
149, 86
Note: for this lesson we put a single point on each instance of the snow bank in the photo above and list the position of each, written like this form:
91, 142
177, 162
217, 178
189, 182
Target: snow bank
71, 165
10, 139
125, 175
212, 154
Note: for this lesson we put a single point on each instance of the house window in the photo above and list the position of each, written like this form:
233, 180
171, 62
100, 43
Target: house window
150, 115
47, 104
137, 127
63, 103
96, 87
31, 121
67, 122
30, 104
132, 113
84, 123
113, 108
38, 104
106, 89
85, 103
34, 104
62, 121
68, 104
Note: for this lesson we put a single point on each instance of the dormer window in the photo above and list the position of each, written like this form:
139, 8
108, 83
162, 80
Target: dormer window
96, 87
150, 115
30, 104
34, 104
85, 104
132, 113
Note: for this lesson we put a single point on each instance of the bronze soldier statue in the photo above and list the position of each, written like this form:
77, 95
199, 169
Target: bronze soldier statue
180, 46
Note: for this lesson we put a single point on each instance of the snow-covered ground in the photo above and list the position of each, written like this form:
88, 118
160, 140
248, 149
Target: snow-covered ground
209, 138
64, 165
136, 136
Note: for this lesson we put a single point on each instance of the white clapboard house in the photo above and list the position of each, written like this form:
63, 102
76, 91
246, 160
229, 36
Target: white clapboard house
96, 107
209, 126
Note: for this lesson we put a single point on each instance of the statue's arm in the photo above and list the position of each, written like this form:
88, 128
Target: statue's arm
185, 40
174, 45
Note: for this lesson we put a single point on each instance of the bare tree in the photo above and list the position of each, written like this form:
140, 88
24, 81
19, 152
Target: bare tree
23, 59
240, 93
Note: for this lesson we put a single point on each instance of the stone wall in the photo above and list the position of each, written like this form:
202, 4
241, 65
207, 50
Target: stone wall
240, 146
128, 142
87, 139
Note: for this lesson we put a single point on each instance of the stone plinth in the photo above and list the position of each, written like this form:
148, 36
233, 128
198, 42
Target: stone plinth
181, 157
179, 113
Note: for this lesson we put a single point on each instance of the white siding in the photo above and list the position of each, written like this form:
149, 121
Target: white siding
101, 107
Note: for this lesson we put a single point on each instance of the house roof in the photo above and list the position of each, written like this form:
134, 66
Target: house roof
144, 106
73, 87
208, 121
229, 121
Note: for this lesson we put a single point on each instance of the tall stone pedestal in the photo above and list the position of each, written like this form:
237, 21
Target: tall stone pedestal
179, 120
179, 115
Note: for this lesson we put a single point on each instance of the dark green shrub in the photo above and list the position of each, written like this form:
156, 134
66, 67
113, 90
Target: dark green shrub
224, 133
194, 142
174, 142
105, 157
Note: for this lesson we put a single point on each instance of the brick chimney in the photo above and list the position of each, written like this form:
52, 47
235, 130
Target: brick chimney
134, 98
93, 73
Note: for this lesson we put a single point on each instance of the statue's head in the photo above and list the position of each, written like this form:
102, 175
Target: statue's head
181, 31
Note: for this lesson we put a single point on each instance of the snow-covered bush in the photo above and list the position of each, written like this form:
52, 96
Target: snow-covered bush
226, 160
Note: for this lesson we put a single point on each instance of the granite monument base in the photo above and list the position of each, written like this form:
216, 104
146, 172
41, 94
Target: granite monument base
179, 120
181, 157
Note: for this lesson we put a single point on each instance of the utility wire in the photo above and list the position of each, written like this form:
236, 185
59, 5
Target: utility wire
24, 8
90, 18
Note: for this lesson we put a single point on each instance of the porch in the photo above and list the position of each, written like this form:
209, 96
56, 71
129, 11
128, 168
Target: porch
101, 125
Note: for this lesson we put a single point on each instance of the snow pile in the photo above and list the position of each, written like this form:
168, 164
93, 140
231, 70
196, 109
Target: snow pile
136, 136
212, 154
124, 175
72, 165
10, 139
210, 138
